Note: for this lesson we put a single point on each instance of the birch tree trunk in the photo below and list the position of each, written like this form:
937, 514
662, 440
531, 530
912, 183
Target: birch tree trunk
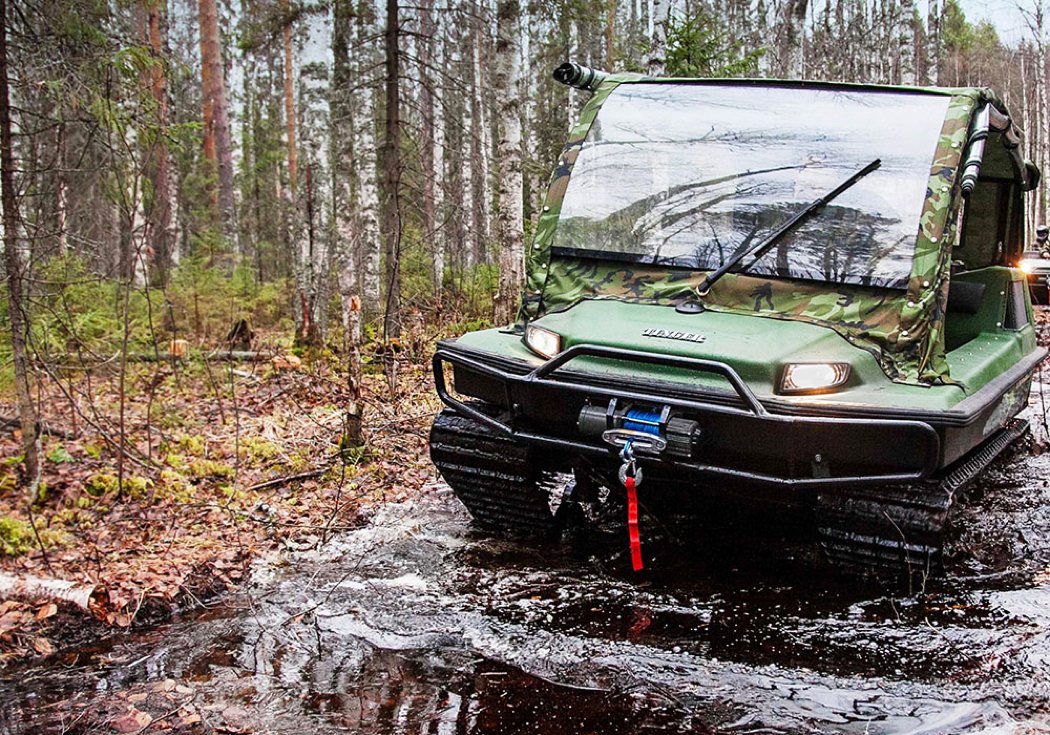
15, 280
346, 237
342, 132
61, 194
369, 241
462, 169
933, 41
658, 37
793, 31
511, 189
481, 146
905, 72
1042, 117
471, 146
437, 174
310, 331
429, 162
574, 52
298, 208
531, 41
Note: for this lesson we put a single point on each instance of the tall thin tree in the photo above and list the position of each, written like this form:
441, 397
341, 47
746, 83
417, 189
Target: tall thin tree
508, 151
392, 189
342, 132
16, 300
218, 147
160, 231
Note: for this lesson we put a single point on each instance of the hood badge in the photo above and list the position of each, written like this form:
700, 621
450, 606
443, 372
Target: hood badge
673, 334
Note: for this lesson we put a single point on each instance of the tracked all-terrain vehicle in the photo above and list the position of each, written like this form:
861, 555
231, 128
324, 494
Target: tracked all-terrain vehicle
799, 290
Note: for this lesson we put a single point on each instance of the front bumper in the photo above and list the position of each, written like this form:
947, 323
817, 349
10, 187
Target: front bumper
741, 440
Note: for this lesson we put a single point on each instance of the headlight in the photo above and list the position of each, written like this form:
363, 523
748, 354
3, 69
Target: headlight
813, 377
1026, 265
542, 341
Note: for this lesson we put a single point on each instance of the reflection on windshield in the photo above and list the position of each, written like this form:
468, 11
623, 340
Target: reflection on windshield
687, 175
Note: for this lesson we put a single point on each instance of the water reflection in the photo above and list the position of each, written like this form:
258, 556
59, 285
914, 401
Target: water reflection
418, 625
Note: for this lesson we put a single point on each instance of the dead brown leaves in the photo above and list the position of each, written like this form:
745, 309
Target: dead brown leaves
24, 629
188, 526
160, 707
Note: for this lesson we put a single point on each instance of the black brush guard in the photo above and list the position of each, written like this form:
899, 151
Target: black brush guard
806, 447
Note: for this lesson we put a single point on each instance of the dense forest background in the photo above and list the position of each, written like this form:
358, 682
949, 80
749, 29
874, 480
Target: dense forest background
338, 171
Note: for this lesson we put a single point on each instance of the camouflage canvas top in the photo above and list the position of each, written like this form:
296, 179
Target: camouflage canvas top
902, 325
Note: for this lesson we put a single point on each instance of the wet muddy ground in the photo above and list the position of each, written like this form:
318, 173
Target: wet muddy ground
418, 624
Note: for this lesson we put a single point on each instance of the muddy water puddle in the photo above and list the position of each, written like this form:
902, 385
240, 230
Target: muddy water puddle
417, 624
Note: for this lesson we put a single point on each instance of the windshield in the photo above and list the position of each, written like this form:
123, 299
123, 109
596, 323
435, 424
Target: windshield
687, 175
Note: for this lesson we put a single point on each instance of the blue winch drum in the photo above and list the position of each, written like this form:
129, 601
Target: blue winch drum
638, 419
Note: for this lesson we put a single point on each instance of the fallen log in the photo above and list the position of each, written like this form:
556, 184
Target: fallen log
239, 356
92, 598
218, 355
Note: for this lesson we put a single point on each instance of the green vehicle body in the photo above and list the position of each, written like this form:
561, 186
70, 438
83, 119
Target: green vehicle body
938, 363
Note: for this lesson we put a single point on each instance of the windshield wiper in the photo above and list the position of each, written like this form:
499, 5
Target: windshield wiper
763, 247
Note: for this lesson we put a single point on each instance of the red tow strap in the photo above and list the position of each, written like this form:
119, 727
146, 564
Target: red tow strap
632, 524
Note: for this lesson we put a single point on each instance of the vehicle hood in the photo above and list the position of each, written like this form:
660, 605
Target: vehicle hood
757, 348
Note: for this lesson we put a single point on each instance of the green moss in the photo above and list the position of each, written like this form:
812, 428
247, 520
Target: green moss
259, 450
300, 460
16, 537
177, 462
205, 468
106, 483
100, 484
137, 488
174, 487
192, 445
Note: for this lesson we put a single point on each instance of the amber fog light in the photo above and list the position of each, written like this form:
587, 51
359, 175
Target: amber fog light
543, 342
813, 377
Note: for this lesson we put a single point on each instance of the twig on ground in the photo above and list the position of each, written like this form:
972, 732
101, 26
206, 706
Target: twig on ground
279, 481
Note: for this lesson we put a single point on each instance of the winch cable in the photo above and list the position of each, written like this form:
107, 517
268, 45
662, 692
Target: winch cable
638, 419
631, 476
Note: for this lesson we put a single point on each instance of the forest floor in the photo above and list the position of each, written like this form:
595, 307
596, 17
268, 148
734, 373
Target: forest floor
243, 460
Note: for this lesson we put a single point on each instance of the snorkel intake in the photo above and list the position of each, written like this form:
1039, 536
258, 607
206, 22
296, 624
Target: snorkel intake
576, 75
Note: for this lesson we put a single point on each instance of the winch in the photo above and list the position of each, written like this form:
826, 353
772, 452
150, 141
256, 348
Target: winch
649, 429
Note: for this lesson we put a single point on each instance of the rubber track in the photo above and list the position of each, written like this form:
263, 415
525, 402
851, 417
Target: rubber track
492, 475
900, 529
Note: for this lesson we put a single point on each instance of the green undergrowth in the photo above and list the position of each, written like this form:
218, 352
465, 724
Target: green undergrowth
17, 537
